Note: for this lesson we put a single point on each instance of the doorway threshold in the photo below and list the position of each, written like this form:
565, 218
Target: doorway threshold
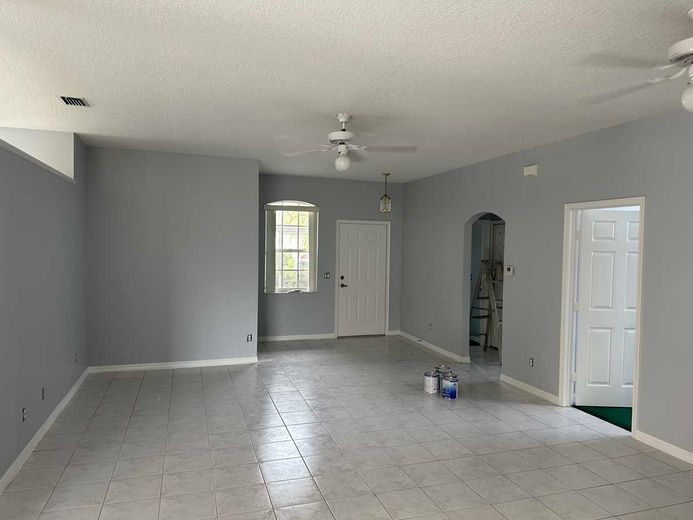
620, 416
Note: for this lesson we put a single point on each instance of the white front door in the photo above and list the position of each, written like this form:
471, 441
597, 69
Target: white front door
362, 271
608, 278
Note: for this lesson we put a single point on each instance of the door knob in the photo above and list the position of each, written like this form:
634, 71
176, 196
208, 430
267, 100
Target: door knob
343, 285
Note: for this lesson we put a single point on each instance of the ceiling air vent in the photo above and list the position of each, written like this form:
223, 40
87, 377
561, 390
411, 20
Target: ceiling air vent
74, 101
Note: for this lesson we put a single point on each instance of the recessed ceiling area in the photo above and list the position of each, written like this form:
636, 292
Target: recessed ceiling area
462, 81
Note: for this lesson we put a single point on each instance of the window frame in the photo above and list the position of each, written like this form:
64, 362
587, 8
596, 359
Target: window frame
272, 211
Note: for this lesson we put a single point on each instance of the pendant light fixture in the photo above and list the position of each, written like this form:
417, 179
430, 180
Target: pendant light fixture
385, 200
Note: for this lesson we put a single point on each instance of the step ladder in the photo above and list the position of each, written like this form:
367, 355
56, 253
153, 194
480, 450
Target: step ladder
485, 305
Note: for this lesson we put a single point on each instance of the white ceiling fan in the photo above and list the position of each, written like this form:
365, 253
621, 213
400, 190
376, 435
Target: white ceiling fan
340, 142
680, 56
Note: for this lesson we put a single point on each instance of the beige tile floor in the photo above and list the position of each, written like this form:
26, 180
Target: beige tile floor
478, 355
335, 429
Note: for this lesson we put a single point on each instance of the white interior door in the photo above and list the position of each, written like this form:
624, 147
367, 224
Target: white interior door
362, 278
607, 283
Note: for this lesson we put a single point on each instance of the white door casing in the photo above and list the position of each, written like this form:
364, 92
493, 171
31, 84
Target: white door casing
607, 301
362, 277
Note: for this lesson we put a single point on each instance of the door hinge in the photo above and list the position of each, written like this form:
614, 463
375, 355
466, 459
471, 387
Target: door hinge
578, 235
573, 376
576, 306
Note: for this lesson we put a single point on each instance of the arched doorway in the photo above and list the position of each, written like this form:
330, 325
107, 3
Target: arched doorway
486, 290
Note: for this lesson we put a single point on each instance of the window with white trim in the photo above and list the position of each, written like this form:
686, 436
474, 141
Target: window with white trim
291, 246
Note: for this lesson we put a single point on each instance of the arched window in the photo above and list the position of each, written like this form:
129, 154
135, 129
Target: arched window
291, 246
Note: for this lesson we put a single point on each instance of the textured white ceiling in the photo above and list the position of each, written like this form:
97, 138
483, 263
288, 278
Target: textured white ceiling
465, 80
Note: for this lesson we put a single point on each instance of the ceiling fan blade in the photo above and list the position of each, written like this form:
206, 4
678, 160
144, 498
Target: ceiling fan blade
617, 93
624, 91
304, 152
390, 149
608, 60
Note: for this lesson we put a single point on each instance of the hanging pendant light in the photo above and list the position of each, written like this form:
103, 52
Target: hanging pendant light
385, 200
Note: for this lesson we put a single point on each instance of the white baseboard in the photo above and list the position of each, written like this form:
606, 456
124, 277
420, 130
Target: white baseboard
664, 446
331, 335
299, 337
435, 348
529, 389
173, 364
31, 445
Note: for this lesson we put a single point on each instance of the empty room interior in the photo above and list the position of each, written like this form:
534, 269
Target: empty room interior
310, 260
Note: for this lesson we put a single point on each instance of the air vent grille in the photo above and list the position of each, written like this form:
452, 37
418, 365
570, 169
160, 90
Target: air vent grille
74, 101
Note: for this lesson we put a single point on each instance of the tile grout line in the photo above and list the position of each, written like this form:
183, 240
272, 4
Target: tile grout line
490, 400
108, 487
163, 458
209, 443
57, 484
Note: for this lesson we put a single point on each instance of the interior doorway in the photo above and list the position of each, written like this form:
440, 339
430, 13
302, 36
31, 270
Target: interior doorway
486, 294
602, 278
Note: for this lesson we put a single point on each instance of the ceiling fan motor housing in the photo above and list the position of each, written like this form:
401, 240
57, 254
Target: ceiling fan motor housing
681, 53
341, 136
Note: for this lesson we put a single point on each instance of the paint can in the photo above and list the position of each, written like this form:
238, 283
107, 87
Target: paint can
450, 385
441, 376
431, 382
441, 370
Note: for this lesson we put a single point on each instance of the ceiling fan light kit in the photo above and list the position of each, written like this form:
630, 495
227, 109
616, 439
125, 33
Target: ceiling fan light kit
342, 163
340, 142
687, 98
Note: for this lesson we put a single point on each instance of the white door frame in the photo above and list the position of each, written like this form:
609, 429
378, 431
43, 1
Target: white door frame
567, 340
386, 223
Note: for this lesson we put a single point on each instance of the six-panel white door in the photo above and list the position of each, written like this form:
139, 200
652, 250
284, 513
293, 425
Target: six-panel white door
362, 278
608, 277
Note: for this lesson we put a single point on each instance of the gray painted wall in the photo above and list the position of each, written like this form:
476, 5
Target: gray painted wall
313, 313
172, 257
42, 293
651, 157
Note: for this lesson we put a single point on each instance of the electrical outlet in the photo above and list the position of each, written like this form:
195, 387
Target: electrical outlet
76, 358
249, 337
326, 276
25, 416
43, 393
531, 361
430, 326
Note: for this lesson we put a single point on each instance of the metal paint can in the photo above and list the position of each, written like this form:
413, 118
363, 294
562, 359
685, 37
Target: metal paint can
441, 370
441, 376
431, 382
450, 384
